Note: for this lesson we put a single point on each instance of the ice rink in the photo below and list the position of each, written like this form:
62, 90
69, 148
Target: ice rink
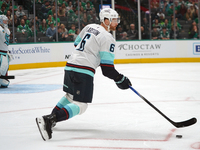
117, 119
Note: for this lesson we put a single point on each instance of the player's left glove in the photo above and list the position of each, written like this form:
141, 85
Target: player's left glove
122, 82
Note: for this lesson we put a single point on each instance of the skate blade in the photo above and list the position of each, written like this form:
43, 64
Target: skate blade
41, 126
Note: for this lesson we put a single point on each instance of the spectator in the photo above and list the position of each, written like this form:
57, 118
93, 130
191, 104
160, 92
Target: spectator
10, 18
192, 10
192, 25
155, 33
82, 10
60, 2
9, 15
176, 23
194, 33
161, 19
178, 15
145, 24
157, 24
7, 3
132, 33
144, 34
43, 27
27, 21
20, 13
60, 37
182, 10
119, 32
164, 34
23, 28
16, 21
166, 24
69, 7
172, 35
3, 10
46, 7
166, 6
196, 13
154, 4
75, 17
31, 32
170, 11
72, 31
188, 15
95, 19
88, 7
49, 20
36, 23
51, 11
76, 34
54, 20
124, 36
64, 30
51, 31
61, 12
64, 7
66, 2
161, 14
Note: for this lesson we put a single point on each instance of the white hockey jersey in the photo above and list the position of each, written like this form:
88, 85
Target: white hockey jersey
94, 46
4, 38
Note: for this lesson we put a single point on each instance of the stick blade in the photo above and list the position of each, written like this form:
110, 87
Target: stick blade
7, 77
185, 123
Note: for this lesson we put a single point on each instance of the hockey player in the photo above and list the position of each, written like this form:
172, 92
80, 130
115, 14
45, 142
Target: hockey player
94, 47
4, 53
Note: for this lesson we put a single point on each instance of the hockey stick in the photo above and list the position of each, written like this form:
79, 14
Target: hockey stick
7, 77
176, 124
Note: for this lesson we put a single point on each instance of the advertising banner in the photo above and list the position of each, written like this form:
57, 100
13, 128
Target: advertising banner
36, 53
152, 51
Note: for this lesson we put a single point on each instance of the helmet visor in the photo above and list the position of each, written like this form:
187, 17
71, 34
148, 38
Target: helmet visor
116, 20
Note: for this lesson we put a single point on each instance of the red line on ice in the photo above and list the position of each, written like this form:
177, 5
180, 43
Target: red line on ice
129, 148
166, 138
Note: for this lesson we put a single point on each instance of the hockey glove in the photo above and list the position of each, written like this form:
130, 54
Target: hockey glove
122, 82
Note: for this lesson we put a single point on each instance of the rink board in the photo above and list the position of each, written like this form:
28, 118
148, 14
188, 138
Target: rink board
40, 55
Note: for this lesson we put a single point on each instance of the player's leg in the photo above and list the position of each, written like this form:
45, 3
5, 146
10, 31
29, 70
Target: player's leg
69, 105
67, 108
4, 64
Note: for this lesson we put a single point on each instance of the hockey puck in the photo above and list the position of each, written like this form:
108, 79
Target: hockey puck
179, 136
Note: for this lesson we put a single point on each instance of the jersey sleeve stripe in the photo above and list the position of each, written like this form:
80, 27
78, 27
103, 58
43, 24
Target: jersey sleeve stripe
106, 65
107, 57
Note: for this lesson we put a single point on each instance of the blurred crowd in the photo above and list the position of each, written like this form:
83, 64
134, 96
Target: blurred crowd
45, 18
162, 23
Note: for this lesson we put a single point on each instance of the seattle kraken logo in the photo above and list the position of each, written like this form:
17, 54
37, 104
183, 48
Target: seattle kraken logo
7, 39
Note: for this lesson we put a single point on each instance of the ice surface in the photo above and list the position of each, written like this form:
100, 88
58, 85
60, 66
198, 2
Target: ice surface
117, 119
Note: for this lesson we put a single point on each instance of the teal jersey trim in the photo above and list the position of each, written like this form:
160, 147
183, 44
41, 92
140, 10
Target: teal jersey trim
79, 70
77, 41
107, 58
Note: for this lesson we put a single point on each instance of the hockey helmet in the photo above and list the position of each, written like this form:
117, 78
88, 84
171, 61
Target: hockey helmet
109, 13
3, 21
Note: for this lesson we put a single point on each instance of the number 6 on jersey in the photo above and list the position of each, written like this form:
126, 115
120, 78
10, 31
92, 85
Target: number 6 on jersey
83, 42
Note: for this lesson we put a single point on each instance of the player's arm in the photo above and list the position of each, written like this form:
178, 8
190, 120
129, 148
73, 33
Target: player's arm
108, 69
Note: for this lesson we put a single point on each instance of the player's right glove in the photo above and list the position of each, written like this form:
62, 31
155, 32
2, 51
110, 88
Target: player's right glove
122, 82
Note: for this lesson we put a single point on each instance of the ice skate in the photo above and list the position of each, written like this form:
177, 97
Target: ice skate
45, 125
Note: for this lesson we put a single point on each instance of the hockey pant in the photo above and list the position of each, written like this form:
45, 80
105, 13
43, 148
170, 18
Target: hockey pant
4, 64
